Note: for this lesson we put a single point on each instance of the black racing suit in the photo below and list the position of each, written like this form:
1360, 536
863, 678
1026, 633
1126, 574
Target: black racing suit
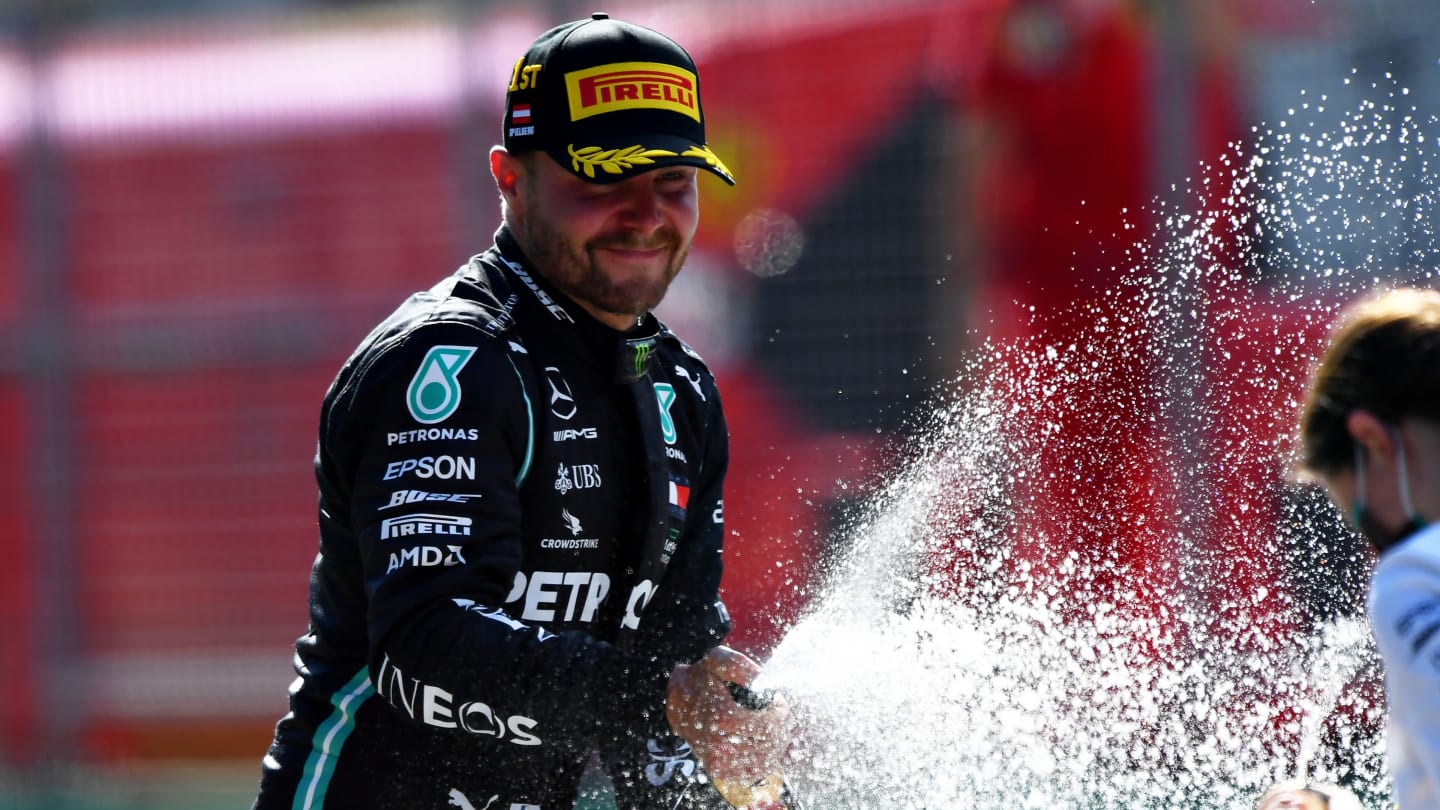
520, 536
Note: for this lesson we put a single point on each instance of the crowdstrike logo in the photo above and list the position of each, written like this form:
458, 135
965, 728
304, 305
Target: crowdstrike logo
571, 522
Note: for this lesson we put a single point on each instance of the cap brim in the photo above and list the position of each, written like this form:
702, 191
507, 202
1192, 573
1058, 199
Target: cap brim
625, 157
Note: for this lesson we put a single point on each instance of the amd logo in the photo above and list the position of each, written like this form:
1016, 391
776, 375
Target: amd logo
426, 557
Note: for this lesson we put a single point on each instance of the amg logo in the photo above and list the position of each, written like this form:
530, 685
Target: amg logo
582, 433
410, 525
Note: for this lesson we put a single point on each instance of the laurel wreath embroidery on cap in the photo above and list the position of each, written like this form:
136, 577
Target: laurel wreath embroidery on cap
614, 161
704, 153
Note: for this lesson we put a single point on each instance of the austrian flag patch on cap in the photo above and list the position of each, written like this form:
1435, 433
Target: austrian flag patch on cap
607, 100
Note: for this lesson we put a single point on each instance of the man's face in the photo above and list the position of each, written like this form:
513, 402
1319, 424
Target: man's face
613, 248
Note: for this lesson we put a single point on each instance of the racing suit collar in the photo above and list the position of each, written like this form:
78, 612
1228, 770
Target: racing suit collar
631, 350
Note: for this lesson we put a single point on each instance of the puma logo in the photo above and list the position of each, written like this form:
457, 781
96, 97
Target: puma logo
694, 381
457, 799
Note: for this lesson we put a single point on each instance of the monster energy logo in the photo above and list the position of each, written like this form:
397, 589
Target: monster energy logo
642, 353
434, 391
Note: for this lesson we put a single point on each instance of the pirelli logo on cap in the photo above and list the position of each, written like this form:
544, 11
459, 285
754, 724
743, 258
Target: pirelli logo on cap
631, 86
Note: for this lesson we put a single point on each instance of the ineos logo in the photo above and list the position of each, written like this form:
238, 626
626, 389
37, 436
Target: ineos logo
562, 402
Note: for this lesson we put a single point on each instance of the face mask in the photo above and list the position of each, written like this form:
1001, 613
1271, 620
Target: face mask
1360, 514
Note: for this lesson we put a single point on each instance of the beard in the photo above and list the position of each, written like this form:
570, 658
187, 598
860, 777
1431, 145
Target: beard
576, 270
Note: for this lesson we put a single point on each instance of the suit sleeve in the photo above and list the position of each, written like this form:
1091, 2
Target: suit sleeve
1405, 613
425, 460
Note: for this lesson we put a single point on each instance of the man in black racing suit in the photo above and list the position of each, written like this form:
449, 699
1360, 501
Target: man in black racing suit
520, 478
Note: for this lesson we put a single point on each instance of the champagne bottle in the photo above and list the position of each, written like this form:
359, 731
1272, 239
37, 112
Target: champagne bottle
771, 792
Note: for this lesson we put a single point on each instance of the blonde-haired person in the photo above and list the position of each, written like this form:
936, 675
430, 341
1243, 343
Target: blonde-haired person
1370, 430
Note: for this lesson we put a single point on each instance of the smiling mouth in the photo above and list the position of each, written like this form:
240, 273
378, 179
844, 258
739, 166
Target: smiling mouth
623, 250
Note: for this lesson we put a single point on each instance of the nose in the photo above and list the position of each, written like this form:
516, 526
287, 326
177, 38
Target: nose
643, 211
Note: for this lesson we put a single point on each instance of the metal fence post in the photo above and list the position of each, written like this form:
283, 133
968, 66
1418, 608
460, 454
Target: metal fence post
47, 374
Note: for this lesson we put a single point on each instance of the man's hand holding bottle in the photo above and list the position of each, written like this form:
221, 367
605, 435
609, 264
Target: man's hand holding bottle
740, 736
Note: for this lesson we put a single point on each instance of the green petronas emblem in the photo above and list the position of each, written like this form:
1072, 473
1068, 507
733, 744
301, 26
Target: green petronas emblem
434, 391
665, 396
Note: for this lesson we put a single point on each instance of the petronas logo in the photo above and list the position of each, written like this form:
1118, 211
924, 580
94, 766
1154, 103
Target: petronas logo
434, 391
665, 395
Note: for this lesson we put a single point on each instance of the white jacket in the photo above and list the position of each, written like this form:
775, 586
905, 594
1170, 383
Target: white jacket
1404, 610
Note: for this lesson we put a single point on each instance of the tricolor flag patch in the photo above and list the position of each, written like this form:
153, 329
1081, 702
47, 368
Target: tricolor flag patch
520, 114
679, 497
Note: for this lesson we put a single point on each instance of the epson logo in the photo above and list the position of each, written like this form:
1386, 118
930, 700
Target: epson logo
582, 433
411, 525
400, 497
434, 706
426, 557
442, 467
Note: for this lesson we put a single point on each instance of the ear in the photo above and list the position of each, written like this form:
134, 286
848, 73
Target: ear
1367, 429
505, 168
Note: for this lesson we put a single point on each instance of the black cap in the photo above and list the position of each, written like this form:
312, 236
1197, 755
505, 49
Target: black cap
608, 100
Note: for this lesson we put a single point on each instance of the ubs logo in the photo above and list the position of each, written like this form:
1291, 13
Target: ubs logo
562, 401
577, 476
